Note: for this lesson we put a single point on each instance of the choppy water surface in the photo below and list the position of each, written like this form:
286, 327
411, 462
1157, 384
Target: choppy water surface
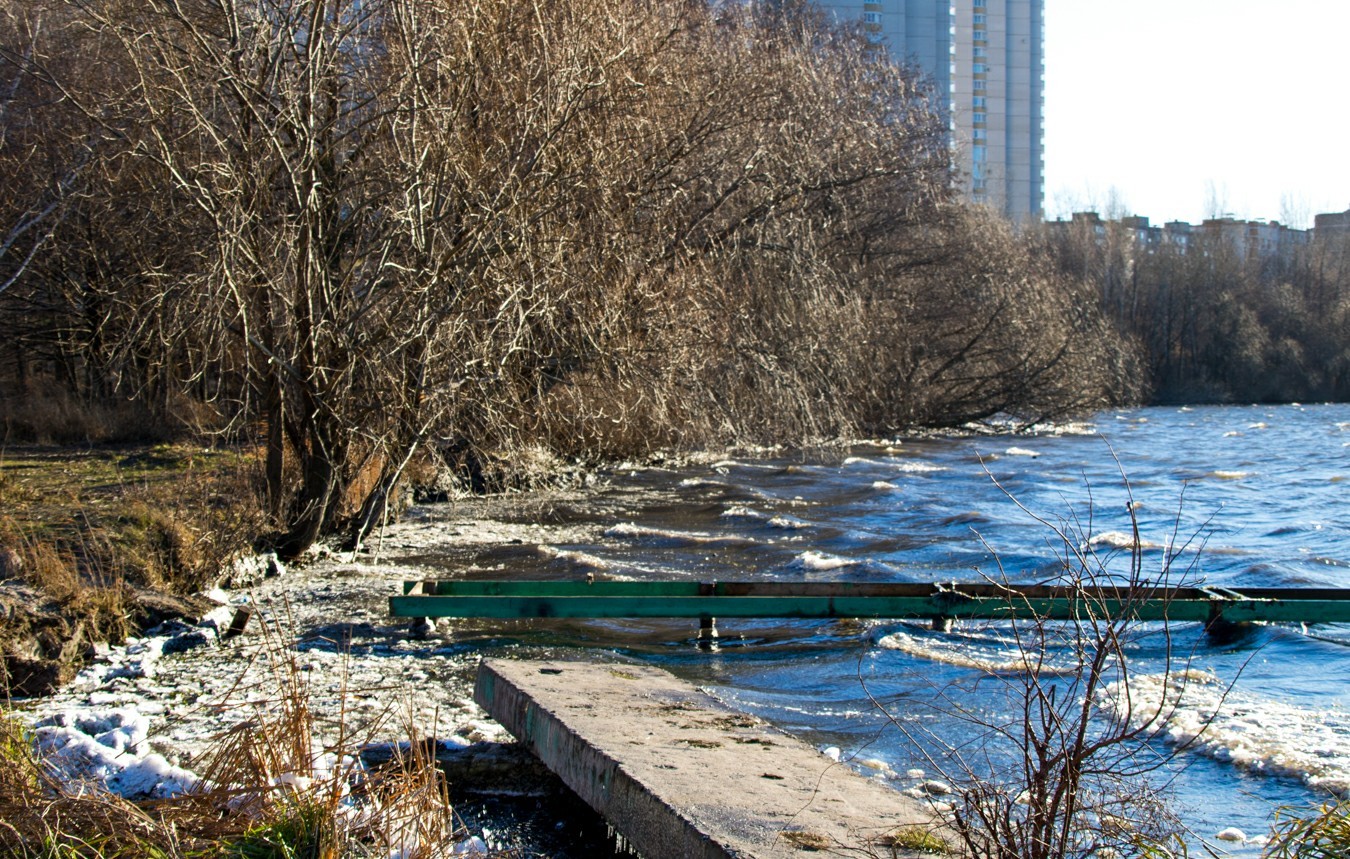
1246, 496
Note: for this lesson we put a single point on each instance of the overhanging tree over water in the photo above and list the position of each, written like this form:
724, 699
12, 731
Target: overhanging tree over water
370, 229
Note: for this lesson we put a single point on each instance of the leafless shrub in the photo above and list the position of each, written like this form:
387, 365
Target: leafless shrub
1066, 768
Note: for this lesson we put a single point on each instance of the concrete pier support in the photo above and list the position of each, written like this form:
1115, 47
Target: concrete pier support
682, 776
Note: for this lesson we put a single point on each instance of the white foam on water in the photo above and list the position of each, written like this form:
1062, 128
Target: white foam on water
1121, 540
1221, 474
583, 560
736, 463
740, 511
860, 460
1232, 434
884, 486
955, 650
633, 530
1073, 428
1021, 451
918, 466
701, 482
1258, 734
789, 523
819, 561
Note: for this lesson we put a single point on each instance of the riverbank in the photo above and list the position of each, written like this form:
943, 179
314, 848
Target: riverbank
917, 509
98, 543
321, 629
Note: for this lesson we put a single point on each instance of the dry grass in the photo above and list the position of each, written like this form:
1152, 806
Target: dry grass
276, 784
1318, 832
48, 414
89, 537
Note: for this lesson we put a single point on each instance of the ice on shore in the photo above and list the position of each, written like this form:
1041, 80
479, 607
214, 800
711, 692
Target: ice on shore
108, 749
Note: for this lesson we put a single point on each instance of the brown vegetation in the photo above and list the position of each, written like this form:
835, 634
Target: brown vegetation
1217, 325
366, 235
277, 783
96, 543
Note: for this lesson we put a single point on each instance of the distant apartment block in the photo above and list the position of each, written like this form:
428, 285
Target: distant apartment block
1258, 241
1332, 225
987, 65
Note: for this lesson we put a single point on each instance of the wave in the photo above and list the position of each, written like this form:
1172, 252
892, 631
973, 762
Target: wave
632, 530
962, 652
1260, 735
578, 559
789, 523
700, 482
820, 562
1121, 540
970, 517
722, 464
918, 466
740, 511
1021, 451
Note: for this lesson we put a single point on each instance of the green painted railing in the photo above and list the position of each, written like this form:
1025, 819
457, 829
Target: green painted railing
608, 599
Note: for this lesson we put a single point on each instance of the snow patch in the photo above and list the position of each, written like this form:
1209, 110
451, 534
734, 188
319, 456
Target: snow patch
109, 748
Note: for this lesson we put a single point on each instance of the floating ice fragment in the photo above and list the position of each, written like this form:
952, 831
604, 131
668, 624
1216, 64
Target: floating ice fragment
473, 846
1232, 834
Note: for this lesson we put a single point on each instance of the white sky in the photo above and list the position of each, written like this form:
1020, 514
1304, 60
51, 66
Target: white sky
1181, 109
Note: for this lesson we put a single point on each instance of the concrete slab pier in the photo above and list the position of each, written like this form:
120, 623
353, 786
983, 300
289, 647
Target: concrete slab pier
682, 776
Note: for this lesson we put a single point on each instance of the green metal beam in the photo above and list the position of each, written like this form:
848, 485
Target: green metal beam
606, 599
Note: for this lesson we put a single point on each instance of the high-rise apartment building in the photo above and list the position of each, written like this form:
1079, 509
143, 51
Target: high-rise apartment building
986, 62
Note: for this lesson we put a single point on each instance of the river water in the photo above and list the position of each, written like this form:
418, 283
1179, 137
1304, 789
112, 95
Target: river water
1228, 496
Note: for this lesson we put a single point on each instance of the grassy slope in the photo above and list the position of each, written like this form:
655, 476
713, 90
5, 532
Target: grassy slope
97, 543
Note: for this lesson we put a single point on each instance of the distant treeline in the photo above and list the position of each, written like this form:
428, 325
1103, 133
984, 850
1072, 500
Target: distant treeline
369, 235
1215, 323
